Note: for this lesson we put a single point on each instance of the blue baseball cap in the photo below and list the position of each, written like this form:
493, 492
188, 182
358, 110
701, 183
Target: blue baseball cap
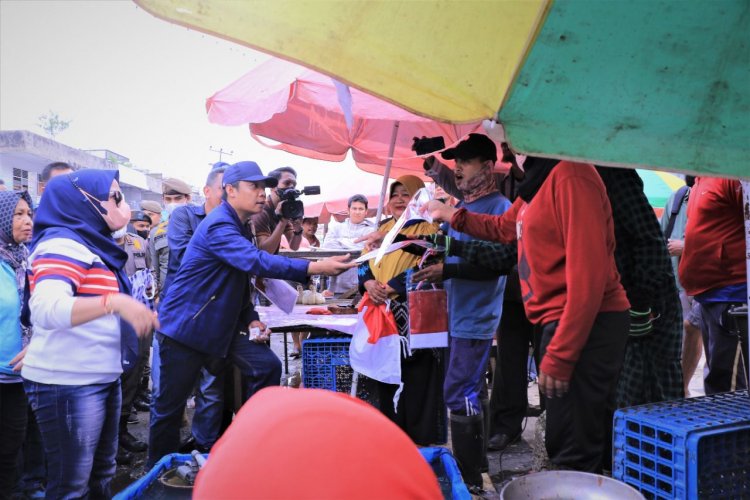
219, 164
247, 171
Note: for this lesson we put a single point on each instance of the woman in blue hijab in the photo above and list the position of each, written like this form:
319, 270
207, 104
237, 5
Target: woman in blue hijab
15, 231
85, 330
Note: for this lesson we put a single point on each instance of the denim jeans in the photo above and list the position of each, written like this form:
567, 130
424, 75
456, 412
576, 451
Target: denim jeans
12, 430
78, 424
155, 368
209, 406
180, 366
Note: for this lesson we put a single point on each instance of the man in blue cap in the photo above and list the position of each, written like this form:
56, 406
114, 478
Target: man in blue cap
208, 305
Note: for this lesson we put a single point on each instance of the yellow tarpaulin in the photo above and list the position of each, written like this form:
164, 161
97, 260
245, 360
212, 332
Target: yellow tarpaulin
461, 77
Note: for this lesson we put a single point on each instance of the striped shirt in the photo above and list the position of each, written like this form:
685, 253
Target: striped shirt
59, 353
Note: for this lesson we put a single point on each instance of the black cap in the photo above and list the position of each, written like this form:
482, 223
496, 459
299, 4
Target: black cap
476, 146
139, 216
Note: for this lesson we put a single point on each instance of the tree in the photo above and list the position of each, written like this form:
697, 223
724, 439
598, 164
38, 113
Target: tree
52, 124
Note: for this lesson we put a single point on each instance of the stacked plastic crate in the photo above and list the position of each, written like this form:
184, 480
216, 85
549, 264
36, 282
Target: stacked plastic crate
325, 365
690, 448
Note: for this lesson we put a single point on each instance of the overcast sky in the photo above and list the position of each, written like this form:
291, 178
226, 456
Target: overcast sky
137, 86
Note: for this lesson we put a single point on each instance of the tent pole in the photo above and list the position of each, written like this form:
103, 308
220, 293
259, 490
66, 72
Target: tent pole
387, 173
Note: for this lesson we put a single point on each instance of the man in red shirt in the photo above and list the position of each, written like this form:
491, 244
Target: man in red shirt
571, 290
713, 269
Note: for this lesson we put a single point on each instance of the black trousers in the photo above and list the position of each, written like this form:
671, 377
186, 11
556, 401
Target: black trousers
579, 424
509, 398
725, 344
13, 411
131, 381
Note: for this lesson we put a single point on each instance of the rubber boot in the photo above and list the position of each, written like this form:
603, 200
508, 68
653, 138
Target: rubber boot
467, 436
486, 419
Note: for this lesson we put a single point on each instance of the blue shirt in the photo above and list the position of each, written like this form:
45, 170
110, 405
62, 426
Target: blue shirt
475, 306
10, 322
209, 299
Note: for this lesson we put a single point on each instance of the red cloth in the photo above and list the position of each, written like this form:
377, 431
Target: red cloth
714, 253
311, 443
566, 261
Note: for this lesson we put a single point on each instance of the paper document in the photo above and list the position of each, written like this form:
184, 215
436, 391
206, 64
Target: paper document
279, 292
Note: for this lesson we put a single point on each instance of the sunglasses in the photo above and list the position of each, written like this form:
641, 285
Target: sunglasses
117, 196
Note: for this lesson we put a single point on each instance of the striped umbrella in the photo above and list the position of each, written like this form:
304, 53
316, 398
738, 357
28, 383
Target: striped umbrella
659, 186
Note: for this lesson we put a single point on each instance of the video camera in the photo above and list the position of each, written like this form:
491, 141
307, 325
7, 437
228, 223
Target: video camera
292, 207
426, 145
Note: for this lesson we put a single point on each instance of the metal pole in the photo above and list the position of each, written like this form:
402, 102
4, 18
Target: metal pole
387, 172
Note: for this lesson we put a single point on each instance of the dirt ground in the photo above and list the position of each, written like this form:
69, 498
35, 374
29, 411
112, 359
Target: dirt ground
516, 460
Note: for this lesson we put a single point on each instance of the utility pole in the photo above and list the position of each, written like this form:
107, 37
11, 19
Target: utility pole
221, 152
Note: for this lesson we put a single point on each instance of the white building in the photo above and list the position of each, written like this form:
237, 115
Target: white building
24, 154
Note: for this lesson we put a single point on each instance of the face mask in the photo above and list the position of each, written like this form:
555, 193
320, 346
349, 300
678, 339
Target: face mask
143, 234
120, 233
117, 217
169, 207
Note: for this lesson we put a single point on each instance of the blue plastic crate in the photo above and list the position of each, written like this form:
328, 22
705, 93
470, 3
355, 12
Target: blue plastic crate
322, 362
325, 365
689, 448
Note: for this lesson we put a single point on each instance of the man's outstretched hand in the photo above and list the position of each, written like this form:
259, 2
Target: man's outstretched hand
332, 266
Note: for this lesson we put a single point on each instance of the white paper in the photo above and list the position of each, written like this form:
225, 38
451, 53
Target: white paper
393, 247
412, 212
280, 293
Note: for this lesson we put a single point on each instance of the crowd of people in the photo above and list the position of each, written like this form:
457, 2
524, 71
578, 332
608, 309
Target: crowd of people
105, 310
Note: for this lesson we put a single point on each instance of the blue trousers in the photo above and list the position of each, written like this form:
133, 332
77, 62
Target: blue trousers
180, 366
209, 406
78, 424
464, 381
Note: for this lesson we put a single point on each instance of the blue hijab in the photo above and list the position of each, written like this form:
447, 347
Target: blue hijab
65, 212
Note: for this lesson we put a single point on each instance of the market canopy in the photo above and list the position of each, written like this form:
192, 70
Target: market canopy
649, 83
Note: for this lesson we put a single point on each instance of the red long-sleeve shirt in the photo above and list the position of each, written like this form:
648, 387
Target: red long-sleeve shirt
714, 253
566, 259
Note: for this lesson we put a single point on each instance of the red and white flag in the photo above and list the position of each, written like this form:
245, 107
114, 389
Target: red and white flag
375, 350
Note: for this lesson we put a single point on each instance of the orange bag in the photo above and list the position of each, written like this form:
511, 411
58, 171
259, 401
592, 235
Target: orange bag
428, 318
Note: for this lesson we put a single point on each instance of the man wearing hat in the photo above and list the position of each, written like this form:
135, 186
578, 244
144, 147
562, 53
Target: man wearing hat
208, 313
475, 305
140, 223
175, 193
153, 210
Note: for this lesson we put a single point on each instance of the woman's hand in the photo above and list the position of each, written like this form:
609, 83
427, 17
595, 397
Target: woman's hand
332, 266
17, 362
377, 291
439, 211
141, 318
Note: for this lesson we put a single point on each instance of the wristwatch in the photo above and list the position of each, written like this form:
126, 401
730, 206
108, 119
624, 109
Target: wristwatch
297, 233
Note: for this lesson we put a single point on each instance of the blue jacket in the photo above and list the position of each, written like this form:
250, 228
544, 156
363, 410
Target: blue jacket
208, 301
182, 225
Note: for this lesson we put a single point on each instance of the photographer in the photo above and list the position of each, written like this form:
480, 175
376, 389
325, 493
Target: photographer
269, 225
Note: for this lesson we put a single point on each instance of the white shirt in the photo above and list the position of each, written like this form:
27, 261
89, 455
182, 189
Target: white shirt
341, 236
60, 353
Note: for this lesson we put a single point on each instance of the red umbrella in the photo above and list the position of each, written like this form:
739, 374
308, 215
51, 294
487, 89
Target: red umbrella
311, 115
